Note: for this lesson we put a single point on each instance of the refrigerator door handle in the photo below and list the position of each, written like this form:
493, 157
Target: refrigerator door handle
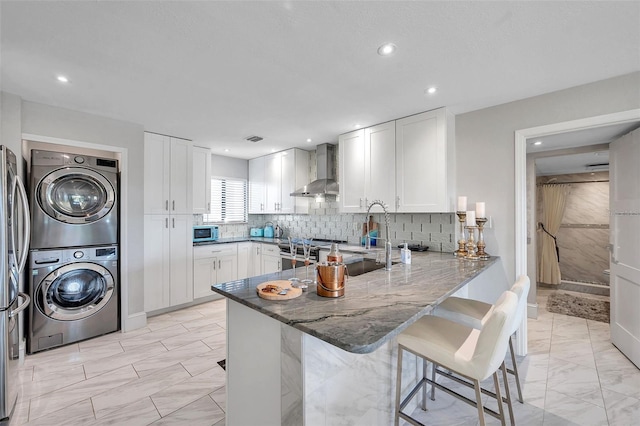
22, 306
17, 185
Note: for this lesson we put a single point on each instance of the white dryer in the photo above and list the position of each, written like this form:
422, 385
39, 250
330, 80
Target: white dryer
74, 200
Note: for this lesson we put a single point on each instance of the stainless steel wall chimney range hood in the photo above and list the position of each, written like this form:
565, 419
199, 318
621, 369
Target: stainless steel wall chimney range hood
326, 183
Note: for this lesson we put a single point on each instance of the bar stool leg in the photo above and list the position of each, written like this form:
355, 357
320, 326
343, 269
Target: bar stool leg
496, 383
424, 384
507, 391
398, 385
476, 386
434, 366
515, 370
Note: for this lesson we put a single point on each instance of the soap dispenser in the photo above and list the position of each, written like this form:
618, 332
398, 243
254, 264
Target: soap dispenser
405, 255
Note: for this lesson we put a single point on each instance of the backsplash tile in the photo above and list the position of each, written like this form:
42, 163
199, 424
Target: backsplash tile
435, 230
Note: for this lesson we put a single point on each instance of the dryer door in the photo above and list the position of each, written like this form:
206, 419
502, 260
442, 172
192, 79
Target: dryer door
75, 291
75, 195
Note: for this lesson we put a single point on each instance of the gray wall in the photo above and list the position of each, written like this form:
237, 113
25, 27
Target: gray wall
12, 126
485, 147
44, 120
229, 167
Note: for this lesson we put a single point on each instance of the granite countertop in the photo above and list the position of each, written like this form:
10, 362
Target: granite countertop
377, 306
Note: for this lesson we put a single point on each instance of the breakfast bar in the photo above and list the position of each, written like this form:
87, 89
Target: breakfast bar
315, 360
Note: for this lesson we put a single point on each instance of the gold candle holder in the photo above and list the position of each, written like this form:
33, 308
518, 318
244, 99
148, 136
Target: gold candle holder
483, 255
471, 244
462, 242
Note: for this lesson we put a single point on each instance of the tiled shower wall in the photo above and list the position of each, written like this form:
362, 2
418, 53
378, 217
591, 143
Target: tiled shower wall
583, 237
435, 230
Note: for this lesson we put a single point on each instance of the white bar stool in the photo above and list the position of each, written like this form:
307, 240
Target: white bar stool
474, 313
471, 353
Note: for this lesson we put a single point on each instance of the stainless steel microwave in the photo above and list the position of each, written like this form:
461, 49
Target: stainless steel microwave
203, 233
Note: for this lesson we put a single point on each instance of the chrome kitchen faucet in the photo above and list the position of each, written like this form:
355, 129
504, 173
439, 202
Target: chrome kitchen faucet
387, 245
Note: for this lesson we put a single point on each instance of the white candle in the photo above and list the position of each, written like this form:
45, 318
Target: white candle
462, 204
480, 210
471, 218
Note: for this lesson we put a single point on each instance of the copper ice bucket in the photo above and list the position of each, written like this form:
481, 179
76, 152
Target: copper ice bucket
331, 280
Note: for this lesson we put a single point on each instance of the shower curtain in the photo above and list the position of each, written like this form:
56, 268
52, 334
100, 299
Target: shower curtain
554, 199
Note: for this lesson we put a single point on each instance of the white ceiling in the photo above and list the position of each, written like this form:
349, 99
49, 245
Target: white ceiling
580, 162
218, 72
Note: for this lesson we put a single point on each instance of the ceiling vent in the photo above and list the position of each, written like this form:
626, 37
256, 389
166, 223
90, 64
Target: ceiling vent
596, 167
254, 138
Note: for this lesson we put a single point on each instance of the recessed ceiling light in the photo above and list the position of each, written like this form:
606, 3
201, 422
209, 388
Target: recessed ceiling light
308, 140
273, 150
62, 79
537, 143
356, 126
226, 150
431, 90
386, 49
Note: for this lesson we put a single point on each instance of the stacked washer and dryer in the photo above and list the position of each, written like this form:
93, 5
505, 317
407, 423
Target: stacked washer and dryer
73, 277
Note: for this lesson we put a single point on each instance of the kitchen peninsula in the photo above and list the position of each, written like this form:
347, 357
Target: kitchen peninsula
314, 360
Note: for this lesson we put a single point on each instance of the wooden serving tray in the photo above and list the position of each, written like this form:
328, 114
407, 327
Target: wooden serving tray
291, 294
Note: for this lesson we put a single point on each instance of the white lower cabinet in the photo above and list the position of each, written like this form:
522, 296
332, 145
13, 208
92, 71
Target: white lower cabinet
213, 264
270, 259
168, 261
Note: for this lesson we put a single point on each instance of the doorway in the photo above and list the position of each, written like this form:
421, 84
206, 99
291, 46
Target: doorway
525, 229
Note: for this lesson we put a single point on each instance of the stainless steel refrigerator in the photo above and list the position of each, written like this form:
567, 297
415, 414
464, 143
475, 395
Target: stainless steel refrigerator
14, 248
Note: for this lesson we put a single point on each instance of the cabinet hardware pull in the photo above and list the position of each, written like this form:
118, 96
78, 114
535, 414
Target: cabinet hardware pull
208, 207
173, 205
173, 222
166, 205
398, 202
166, 224
219, 264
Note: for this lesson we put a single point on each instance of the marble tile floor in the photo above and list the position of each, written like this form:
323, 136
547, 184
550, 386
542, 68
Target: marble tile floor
164, 374
572, 375
168, 374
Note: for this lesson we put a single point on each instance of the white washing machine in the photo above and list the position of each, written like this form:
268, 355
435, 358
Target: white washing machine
74, 295
74, 200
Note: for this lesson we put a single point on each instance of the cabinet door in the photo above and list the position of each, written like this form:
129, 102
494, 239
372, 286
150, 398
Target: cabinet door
227, 269
244, 256
181, 176
380, 152
204, 275
156, 262
273, 178
287, 181
257, 186
271, 264
421, 163
181, 243
255, 260
201, 180
352, 172
157, 160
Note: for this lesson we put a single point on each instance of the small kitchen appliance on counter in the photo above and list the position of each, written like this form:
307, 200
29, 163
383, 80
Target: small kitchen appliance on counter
268, 230
204, 233
256, 232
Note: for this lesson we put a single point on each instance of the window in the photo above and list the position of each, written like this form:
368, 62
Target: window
228, 201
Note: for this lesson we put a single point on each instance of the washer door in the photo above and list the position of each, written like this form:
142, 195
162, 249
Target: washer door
75, 291
75, 195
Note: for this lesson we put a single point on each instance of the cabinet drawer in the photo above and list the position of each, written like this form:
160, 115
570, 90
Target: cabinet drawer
215, 250
270, 250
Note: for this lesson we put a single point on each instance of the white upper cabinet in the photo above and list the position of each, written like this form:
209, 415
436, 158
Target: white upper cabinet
273, 177
257, 186
425, 175
201, 180
167, 175
367, 170
351, 170
406, 163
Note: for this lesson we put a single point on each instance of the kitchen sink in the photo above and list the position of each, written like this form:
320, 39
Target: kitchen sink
363, 266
